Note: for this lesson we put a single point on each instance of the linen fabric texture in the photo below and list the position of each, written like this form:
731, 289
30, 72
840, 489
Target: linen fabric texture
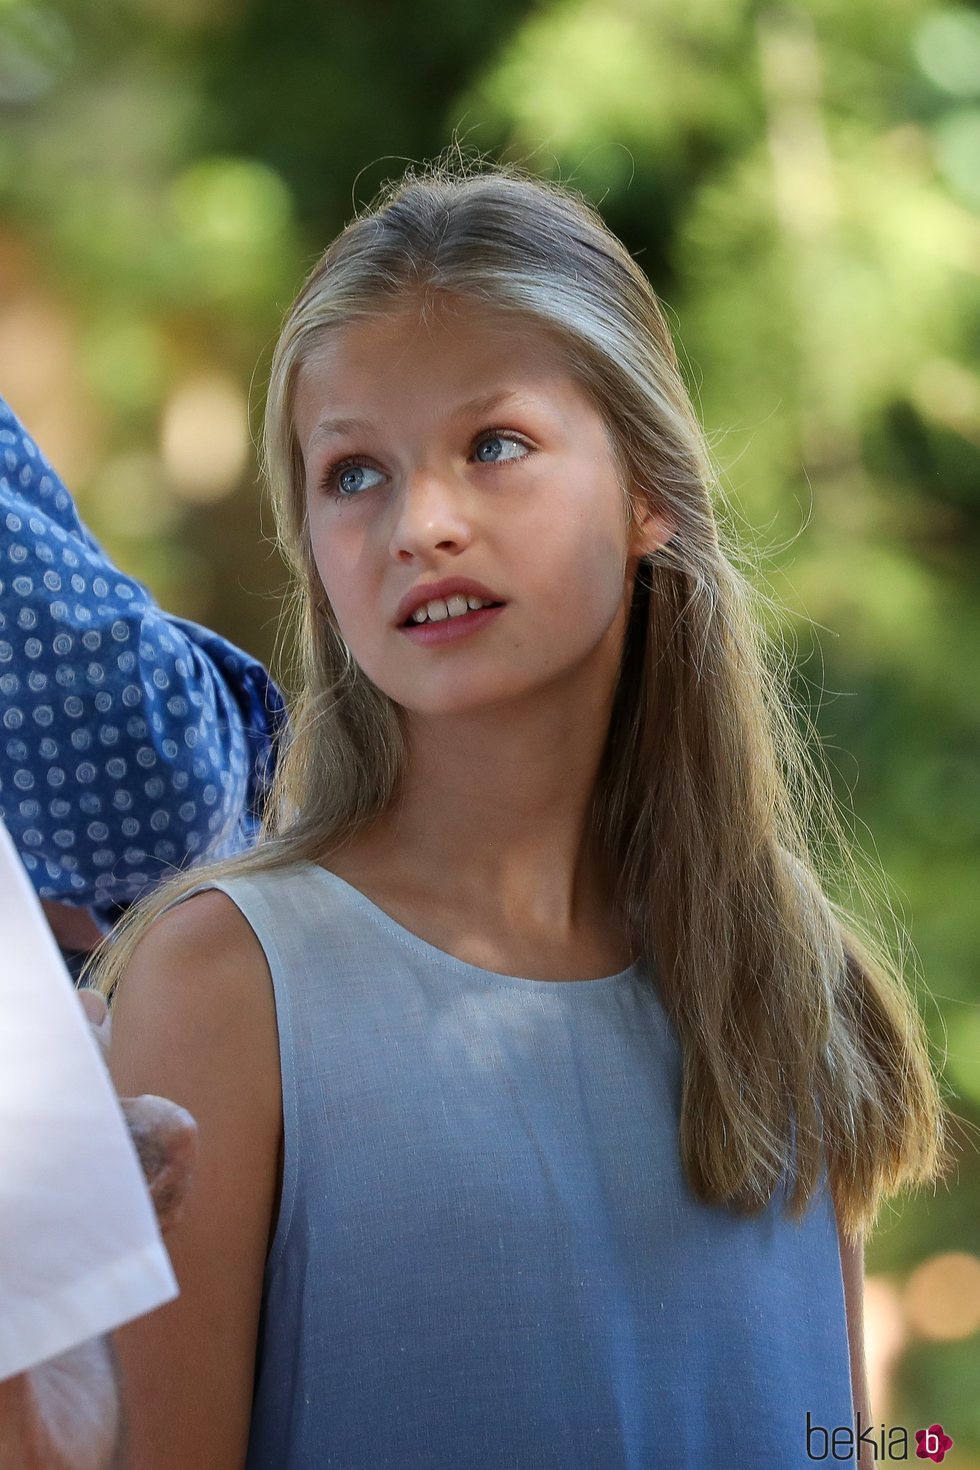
487, 1254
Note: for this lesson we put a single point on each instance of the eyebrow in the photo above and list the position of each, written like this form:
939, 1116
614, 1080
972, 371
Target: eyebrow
472, 406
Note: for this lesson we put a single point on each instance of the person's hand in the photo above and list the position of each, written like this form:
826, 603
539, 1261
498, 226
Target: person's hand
164, 1134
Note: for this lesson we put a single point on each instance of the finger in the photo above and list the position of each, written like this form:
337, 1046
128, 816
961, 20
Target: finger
165, 1137
97, 1013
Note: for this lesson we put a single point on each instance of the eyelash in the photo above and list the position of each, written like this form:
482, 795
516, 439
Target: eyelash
333, 472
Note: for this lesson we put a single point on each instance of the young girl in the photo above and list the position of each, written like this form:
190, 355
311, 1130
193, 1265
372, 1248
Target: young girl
535, 1077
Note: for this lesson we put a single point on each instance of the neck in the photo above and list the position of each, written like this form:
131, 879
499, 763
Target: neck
494, 815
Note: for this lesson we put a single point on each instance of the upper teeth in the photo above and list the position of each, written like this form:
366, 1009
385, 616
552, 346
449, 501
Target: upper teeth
452, 607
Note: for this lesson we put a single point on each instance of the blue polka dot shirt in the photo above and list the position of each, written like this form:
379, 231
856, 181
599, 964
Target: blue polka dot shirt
132, 742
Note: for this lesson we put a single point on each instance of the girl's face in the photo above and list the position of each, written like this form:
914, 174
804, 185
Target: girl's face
461, 447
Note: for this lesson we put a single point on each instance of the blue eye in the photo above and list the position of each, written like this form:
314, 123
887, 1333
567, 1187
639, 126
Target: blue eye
344, 481
498, 439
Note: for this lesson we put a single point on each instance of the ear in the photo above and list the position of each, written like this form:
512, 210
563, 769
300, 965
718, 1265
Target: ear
654, 530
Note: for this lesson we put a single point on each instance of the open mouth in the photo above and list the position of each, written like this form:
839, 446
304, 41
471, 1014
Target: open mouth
432, 622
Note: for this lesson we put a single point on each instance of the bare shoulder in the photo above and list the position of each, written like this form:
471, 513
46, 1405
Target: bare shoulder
195, 997
194, 1020
209, 922
205, 937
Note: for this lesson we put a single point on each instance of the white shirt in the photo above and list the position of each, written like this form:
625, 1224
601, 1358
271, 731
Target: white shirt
80, 1250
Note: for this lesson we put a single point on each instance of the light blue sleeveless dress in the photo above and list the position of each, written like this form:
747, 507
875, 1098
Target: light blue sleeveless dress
487, 1256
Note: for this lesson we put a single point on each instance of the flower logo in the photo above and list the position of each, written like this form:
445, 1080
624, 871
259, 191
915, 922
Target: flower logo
932, 1443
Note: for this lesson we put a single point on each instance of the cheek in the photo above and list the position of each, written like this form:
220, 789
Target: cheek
346, 618
356, 583
597, 604
337, 555
592, 563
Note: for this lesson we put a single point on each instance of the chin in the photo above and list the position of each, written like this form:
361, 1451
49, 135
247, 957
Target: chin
455, 696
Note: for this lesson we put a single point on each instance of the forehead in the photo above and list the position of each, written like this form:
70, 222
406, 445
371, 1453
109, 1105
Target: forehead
410, 361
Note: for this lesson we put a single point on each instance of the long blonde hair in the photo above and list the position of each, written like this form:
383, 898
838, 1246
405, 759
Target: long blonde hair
800, 1040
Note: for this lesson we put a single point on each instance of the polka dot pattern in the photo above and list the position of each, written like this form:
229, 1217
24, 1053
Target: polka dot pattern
132, 742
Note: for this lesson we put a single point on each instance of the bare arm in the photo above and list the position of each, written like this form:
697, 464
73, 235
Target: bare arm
852, 1267
195, 1021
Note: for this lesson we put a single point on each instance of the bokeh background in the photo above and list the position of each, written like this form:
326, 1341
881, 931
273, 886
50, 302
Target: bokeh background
802, 185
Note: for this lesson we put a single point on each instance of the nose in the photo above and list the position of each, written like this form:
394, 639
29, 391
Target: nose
432, 512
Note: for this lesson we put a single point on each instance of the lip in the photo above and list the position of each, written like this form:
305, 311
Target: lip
424, 592
448, 630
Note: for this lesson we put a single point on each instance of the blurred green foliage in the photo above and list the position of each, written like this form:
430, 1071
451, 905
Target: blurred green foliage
801, 184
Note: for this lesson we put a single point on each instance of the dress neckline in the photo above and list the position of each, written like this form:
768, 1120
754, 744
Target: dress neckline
441, 956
